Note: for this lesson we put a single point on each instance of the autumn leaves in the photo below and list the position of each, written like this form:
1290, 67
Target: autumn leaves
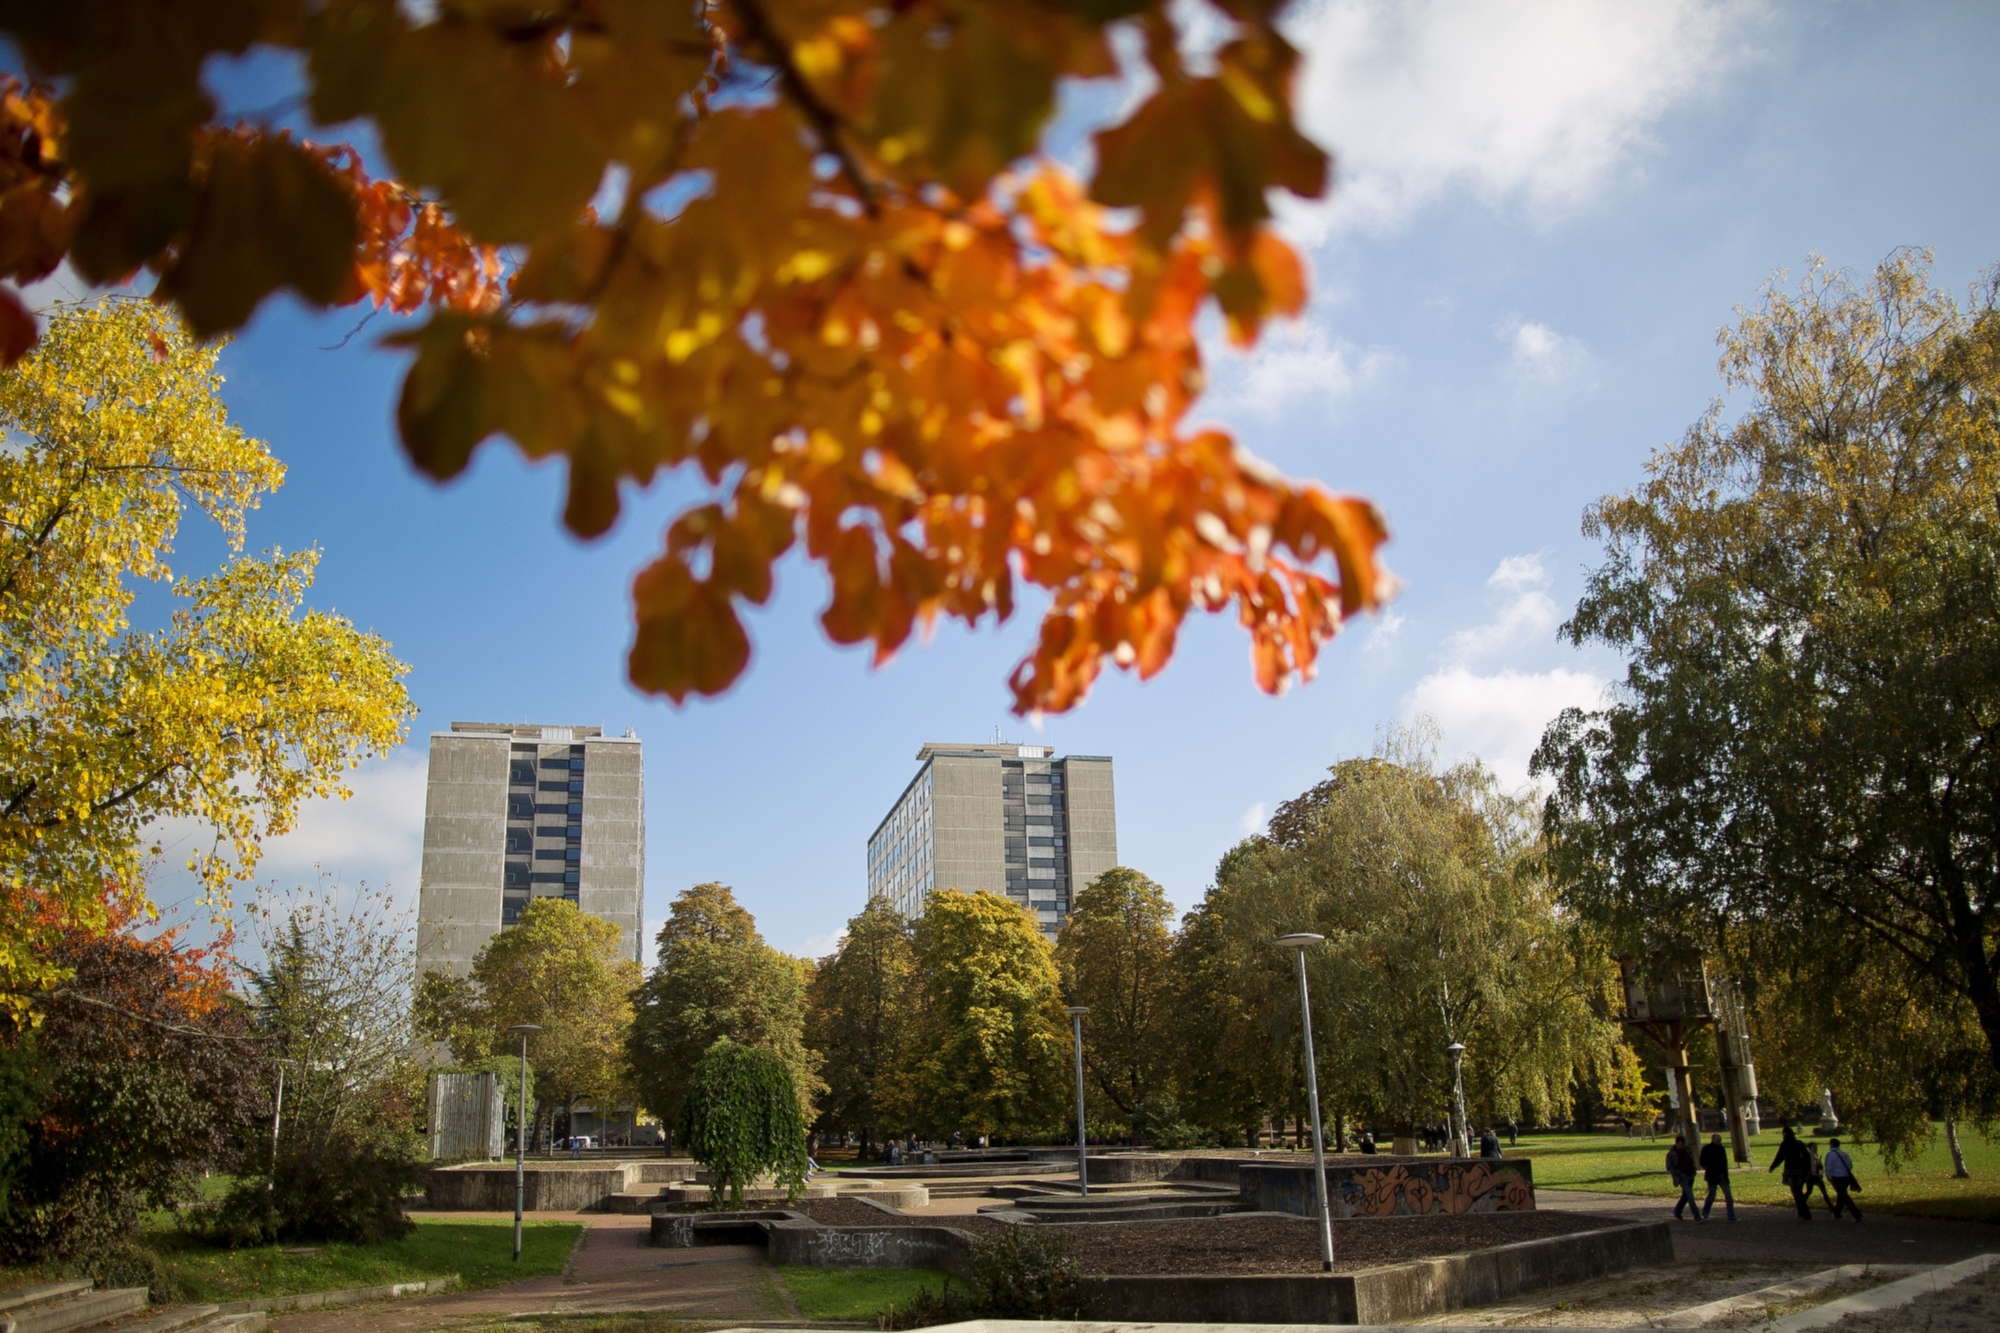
803, 245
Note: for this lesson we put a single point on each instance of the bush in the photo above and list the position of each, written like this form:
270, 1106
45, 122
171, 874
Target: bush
1024, 1273
946, 1306
348, 1190
129, 1265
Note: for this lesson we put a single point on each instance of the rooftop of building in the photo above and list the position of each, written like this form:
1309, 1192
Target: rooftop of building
987, 750
534, 731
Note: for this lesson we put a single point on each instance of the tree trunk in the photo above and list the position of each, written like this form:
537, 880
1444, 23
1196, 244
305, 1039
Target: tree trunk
1340, 1131
1958, 1171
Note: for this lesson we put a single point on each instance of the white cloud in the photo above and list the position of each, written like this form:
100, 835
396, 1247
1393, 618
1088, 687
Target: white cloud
1542, 355
1253, 820
1293, 364
376, 835
1382, 635
1525, 612
1500, 717
1537, 102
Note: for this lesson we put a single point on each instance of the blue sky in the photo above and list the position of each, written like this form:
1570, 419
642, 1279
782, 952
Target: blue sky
1543, 213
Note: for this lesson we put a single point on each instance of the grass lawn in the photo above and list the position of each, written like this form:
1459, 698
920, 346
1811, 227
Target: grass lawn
480, 1252
858, 1293
1923, 1187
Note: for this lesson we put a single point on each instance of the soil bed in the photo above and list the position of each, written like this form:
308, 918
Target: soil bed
1249, 1244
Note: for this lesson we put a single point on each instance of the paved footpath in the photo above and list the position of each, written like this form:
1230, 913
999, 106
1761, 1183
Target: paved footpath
614, 1270
1775, 1234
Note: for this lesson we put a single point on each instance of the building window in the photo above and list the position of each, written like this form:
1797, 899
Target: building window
575, 809
573, 853
572, 877
520, 773
520, 840
520, 806
549, 853
552, 786
516, 875
576, 786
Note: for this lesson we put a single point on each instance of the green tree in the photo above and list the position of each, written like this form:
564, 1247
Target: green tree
740, 1118
230, 714
715, 977
561, 969
1439, 927
857, 1015
1231, 1076
989, 1044
1808, 598
1115, 954
332, 992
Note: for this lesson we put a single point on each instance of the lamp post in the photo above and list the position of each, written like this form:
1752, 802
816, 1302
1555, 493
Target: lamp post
521, 1137
1460, 1145
1299, 943
1076, 1013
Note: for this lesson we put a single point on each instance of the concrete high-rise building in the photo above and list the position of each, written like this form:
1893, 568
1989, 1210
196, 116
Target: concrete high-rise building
1013, 819
518, 812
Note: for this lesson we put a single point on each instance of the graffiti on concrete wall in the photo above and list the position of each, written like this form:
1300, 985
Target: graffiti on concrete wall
1404, 1188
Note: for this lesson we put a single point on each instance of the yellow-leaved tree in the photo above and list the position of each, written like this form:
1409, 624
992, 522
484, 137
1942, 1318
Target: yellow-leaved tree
811, 248
237, 708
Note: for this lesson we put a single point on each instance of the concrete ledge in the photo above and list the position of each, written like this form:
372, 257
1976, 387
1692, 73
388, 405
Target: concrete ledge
312, 1300
896, 1199
547, 1187
1391, 1294
871, 1247
1890, 1297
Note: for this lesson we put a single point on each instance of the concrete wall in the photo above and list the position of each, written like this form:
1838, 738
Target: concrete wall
1093, 819
1389, 1295
1396, 1187
465, 838
549, 1187
613, 879
968, 824
871, 1247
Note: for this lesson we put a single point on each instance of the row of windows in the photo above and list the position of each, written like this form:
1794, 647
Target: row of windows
519, 877
524, 806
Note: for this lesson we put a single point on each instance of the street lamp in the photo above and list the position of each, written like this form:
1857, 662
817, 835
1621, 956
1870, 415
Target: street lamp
1076, 1013
521, 1137
1460, 1145
1299, 943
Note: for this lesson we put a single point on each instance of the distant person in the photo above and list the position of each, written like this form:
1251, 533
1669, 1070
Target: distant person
1840, 1170
1489, 1143
1681, 1166
1513, 1133
958, 1138
1367, 1144
1715, 1168
1797, 1175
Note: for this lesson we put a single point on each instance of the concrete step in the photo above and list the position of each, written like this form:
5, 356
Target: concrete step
631, 1203
170, 1320
41, 1293
78, 1311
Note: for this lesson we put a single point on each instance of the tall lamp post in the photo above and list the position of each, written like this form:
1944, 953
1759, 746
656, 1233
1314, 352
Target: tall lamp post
1299, 943
521, 1137
1076, 1013
1461, 1143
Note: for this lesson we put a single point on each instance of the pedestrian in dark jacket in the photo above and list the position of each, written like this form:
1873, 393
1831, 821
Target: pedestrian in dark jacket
1840, 1170
1715, 1169
1489, 1143
1680, 1165
1797, 1175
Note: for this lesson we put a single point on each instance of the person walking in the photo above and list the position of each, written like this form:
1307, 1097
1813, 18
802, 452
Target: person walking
1715, 1169
1797, 1175
1489, 1143
1680, 1165
1840, 1170
1819, 1178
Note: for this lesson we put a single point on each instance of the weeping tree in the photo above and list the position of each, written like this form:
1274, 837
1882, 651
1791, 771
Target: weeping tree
741, 1119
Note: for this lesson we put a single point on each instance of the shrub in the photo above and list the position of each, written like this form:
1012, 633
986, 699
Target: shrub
945, 1306
1024, 1273
128, 1265
347, 1189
